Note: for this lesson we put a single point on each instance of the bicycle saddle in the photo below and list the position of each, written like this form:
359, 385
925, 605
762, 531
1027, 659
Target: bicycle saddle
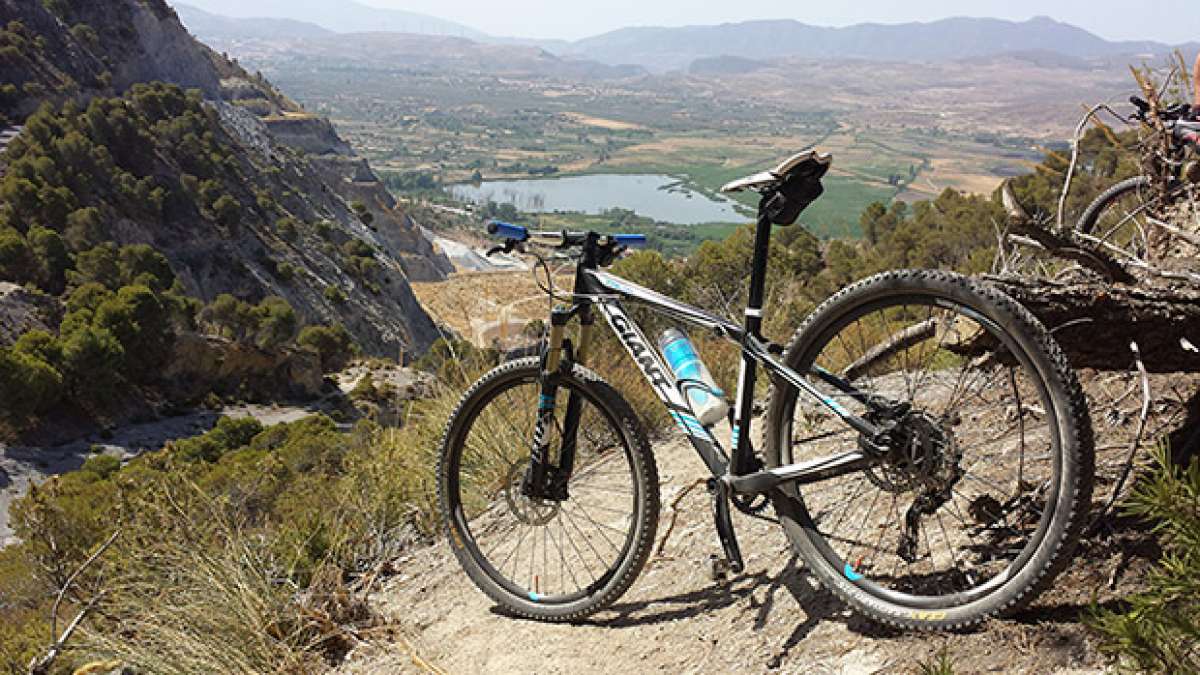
808, 163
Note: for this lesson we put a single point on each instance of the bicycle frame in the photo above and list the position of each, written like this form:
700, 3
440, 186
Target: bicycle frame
598, 289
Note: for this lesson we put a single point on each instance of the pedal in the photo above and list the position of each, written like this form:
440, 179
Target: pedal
718, 568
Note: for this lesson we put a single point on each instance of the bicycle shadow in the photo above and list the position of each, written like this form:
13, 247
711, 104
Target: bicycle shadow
761, 591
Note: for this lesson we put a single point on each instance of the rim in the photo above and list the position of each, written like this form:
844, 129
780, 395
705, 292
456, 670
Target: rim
1124, 224
964, 548
547, 553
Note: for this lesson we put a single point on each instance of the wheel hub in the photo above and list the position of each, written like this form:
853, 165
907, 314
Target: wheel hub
921, 454
526, 510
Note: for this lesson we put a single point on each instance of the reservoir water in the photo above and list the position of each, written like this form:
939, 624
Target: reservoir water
660, 197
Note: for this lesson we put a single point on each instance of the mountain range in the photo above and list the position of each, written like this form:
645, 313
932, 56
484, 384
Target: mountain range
661, 49
342, 16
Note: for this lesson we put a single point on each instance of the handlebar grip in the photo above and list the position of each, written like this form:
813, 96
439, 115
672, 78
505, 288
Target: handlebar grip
630, 240
504, 230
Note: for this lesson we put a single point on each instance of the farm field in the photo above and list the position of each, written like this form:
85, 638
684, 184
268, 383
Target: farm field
896, 130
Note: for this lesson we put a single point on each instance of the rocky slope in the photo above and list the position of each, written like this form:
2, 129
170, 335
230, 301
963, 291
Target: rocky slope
291, 171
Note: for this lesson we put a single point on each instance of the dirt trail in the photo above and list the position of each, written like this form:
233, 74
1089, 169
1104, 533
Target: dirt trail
772, 618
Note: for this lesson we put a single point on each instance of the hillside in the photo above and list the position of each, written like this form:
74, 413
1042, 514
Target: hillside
204, 25
343, 16
250, 195
392, 50
663, 49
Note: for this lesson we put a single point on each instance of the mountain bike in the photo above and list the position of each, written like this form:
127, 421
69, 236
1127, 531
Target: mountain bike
1123, 218
927, 449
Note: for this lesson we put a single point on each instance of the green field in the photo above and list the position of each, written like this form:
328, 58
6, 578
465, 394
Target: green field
459, 127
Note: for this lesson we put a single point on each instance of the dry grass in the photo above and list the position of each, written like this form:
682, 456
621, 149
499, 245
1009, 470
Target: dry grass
467, 301
177, 603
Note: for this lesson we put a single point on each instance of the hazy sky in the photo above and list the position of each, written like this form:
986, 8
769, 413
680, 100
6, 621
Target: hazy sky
1173, 21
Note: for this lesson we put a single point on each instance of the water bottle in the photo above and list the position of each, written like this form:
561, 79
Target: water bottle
706, 398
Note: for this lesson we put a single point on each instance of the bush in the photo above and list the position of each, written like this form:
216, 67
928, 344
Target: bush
91, 361
100, 265
1160, 632
103, 466
335, 295
227, 210
229, 435
29, 385
50, 257
16, 258
277, 323
333, 343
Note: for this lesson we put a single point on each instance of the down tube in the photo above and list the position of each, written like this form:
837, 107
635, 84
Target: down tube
662, 381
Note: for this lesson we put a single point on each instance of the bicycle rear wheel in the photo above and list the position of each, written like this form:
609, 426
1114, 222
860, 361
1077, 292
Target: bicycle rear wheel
989, 472
1121, 217
546, 559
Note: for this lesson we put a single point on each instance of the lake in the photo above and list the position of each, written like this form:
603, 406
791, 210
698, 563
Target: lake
660, 197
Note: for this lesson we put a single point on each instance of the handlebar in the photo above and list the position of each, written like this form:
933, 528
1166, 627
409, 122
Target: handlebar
1181, 111
561, 238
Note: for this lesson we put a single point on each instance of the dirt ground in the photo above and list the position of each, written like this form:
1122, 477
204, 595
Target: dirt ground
773, 617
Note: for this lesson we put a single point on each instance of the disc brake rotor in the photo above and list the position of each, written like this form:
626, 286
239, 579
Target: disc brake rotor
528, 511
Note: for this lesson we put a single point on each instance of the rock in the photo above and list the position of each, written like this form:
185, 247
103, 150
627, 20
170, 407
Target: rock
200, 364
22, 311
307, 133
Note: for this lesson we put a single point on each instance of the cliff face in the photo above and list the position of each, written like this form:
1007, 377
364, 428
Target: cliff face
313, 224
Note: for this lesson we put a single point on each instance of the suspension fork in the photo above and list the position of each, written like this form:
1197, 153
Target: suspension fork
543, 480
570, 430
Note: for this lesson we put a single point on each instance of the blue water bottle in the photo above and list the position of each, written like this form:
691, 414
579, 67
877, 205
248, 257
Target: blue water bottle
696, 383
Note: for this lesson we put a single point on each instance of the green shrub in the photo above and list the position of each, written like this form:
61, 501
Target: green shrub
91, 361
334, 294
333, 343
29, 385
286, 227
17, 262
1160, 631
103, 466
86, 35
100, 265
51, 258
277, 323
229, 435
286, 271
227, 210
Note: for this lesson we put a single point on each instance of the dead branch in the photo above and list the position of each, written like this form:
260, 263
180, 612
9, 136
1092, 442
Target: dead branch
662, 543
41, 665
1153, 316
1063, 243
914, 334
1134, 444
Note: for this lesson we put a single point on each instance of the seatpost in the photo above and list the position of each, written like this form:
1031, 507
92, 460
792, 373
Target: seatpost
742, 453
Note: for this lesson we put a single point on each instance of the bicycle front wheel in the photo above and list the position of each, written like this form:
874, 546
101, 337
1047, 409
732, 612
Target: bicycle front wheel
987, 476
553, 560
